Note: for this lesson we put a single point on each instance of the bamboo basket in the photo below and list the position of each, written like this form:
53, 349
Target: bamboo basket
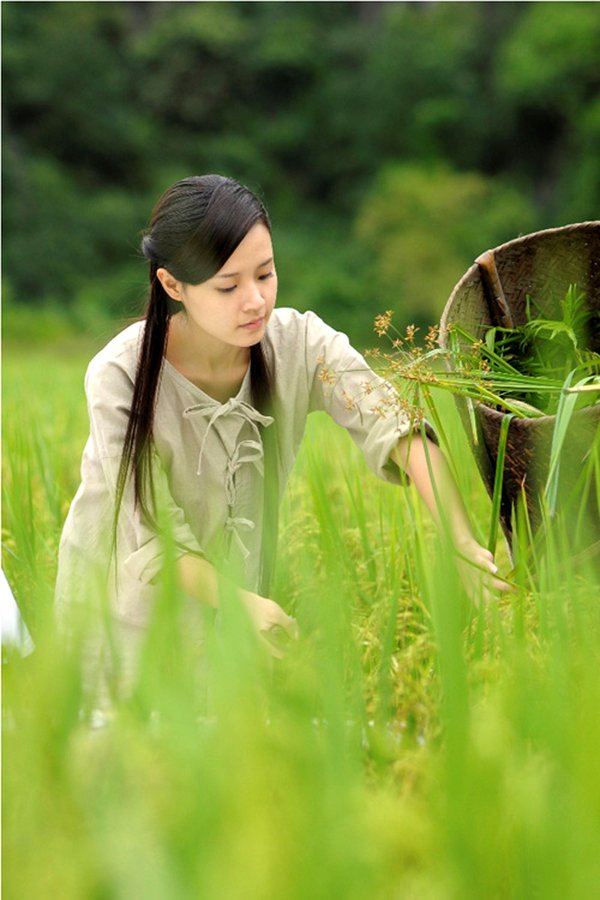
493, 292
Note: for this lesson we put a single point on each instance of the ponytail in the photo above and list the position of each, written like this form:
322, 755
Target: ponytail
136, 454
262, 387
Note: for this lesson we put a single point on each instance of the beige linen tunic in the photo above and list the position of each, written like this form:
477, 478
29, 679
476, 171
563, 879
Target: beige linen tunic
209, 456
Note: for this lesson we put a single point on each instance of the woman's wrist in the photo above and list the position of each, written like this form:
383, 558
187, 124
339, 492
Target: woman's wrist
464, 540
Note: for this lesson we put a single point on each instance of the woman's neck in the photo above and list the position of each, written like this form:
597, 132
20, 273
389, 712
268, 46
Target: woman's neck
214, 367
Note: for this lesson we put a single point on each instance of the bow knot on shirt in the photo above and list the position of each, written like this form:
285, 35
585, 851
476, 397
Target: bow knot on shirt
253, 449
247, 450
233, 526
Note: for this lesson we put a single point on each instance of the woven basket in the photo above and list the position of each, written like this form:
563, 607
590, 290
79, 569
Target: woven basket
493, 292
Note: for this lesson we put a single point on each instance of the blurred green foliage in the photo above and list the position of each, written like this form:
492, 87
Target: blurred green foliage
393, 142
420, 224
408, 746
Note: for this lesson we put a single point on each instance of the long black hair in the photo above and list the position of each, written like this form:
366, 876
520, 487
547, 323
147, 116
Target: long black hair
195, 227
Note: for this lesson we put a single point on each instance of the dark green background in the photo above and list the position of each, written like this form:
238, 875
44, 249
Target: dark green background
392, 142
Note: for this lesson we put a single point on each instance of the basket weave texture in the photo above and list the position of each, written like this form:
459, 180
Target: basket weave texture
542, 265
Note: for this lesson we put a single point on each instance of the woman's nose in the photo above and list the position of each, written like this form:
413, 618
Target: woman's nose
253, 299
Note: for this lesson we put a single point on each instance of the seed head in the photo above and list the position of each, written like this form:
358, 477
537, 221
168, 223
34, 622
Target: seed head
382, 322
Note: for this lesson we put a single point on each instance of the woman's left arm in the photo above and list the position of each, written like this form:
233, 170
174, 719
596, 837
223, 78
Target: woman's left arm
427, 468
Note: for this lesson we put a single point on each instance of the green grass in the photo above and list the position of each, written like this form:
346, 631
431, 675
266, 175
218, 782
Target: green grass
408, 746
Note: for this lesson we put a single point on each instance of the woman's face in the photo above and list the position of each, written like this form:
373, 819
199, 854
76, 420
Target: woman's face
234, 306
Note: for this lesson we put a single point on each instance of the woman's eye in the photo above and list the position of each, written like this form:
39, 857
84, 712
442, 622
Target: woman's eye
228, 290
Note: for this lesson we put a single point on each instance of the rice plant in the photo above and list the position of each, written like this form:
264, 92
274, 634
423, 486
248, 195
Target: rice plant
407, 745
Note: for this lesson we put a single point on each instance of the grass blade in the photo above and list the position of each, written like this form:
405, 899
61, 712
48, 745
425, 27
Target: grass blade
566, 407
498, 481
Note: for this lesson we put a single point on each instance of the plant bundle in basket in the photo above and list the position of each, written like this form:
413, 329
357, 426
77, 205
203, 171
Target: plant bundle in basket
520, 344
532, 306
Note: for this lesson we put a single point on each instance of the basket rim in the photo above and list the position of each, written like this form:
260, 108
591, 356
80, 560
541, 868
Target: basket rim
586, 411
522, 239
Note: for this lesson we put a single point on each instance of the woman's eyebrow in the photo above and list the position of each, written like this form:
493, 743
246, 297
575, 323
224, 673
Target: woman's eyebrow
235, 274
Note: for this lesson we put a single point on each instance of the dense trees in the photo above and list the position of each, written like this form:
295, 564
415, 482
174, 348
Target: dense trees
393, 141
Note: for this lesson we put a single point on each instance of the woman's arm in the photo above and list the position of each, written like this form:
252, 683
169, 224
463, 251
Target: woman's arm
411, 454
200, 579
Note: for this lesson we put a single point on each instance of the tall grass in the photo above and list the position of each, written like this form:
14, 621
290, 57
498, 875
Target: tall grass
409, 745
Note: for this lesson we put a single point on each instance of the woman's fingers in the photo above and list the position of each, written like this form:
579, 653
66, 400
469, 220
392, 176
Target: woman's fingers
496, 584
291, 626
500, 585
276, 629
282, 632
278, 618
479, 573
271, 645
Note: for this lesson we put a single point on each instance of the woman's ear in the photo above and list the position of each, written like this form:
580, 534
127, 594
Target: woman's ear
170, 284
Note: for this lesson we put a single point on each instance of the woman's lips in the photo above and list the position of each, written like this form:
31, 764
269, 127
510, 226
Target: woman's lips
254, 325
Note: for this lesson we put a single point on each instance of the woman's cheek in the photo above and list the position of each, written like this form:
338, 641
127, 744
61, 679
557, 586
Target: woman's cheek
273, 297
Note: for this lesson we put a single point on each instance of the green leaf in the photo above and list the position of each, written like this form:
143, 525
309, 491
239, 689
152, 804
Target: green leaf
566, 407
498, 480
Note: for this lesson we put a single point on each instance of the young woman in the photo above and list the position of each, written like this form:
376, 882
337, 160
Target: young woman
197, 413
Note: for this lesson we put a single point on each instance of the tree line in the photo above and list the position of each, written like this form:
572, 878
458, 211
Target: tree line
392, 142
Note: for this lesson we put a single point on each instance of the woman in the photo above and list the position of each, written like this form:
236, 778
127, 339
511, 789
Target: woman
197, 413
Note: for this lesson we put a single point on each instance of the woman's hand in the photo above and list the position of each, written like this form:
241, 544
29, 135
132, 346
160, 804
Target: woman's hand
477, 569
274, 627
426, 466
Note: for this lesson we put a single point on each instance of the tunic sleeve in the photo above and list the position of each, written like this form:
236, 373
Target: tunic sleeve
109, 389
367, 406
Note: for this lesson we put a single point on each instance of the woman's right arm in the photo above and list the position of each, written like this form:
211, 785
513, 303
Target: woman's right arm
200, 579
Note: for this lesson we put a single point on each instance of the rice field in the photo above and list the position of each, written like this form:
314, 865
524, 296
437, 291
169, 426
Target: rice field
408, 745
